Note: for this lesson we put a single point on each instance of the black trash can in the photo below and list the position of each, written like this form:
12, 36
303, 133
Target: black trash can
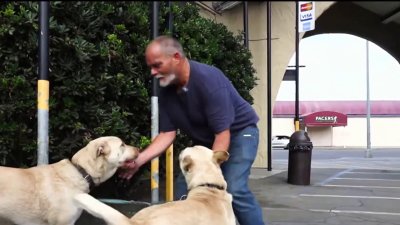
299, 164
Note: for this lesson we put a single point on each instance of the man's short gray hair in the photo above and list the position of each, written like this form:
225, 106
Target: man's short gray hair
169, 45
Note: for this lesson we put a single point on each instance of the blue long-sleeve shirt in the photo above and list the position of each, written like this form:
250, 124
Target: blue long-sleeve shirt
207, 105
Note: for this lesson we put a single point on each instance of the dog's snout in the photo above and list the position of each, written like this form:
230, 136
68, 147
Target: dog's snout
136, 152
130, 153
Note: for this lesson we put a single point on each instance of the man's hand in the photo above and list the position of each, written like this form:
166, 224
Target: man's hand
158, 146
128, 170
222, 140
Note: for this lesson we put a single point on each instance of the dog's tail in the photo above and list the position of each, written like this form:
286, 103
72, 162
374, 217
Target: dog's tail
103, 211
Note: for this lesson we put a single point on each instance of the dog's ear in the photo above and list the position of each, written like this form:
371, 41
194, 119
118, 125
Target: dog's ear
187, 163
102, 149
220, 156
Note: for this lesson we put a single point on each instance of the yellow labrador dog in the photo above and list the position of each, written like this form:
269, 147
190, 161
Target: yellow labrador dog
43, 195
207, 203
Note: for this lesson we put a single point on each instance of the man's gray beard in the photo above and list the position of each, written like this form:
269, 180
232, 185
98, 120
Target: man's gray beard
167, 80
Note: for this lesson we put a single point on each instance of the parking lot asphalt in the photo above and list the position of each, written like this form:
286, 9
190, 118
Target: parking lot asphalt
348, 191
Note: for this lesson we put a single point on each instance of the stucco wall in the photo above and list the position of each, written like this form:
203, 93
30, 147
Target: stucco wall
320, 136
282, 126
382, 130
283, 47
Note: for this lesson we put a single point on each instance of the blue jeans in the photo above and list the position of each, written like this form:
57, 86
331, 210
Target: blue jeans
242, 150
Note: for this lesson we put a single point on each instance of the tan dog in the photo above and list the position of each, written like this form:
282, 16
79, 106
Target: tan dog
207, 202
43, 195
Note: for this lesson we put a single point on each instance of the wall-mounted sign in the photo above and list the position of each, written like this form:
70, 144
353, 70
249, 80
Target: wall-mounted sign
330, 119
324, 118
306, 16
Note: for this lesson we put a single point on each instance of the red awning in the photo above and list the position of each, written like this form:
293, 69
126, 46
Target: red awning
324, 118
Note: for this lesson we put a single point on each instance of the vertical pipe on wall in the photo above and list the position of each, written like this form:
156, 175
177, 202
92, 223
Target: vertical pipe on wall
246, 24
269, 74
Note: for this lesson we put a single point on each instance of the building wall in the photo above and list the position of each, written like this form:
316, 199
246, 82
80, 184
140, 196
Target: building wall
383, 132
282, 126
320, 136
283, 47
354, 134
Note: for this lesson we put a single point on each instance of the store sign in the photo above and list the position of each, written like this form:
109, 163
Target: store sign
306, 16
326, 119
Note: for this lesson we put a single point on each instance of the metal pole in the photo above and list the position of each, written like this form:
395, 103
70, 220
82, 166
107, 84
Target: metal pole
169, 195
368, 151
169, 164
43, 85
154, 115
269, 95
170, 18
246, 24
297, 123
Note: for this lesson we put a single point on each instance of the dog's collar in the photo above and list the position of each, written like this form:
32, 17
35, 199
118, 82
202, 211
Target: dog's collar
86, 176
219, 187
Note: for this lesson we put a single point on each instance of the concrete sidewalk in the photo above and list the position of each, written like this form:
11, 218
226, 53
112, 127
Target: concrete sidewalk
349, 191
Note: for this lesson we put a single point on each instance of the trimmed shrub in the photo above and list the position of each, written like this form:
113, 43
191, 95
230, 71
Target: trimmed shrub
99, 81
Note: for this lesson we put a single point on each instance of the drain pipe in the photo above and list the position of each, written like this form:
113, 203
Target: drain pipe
269, 95
246, 24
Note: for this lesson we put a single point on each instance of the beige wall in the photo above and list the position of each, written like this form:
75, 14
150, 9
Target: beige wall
283, 47
320, 136
383, 132
282, 126
354, 134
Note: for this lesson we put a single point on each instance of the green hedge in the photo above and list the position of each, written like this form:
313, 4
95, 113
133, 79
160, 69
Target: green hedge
99, 82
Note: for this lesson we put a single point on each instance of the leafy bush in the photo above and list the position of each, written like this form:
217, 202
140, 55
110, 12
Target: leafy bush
99, 82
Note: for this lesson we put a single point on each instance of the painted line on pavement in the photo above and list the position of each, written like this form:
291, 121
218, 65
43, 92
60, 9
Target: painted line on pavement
358, 186
371, 179
356, 212
385, 173
335, 211
322, 183
350, 196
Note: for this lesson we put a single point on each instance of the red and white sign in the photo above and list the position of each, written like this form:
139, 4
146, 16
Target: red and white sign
306, 16
324, 118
